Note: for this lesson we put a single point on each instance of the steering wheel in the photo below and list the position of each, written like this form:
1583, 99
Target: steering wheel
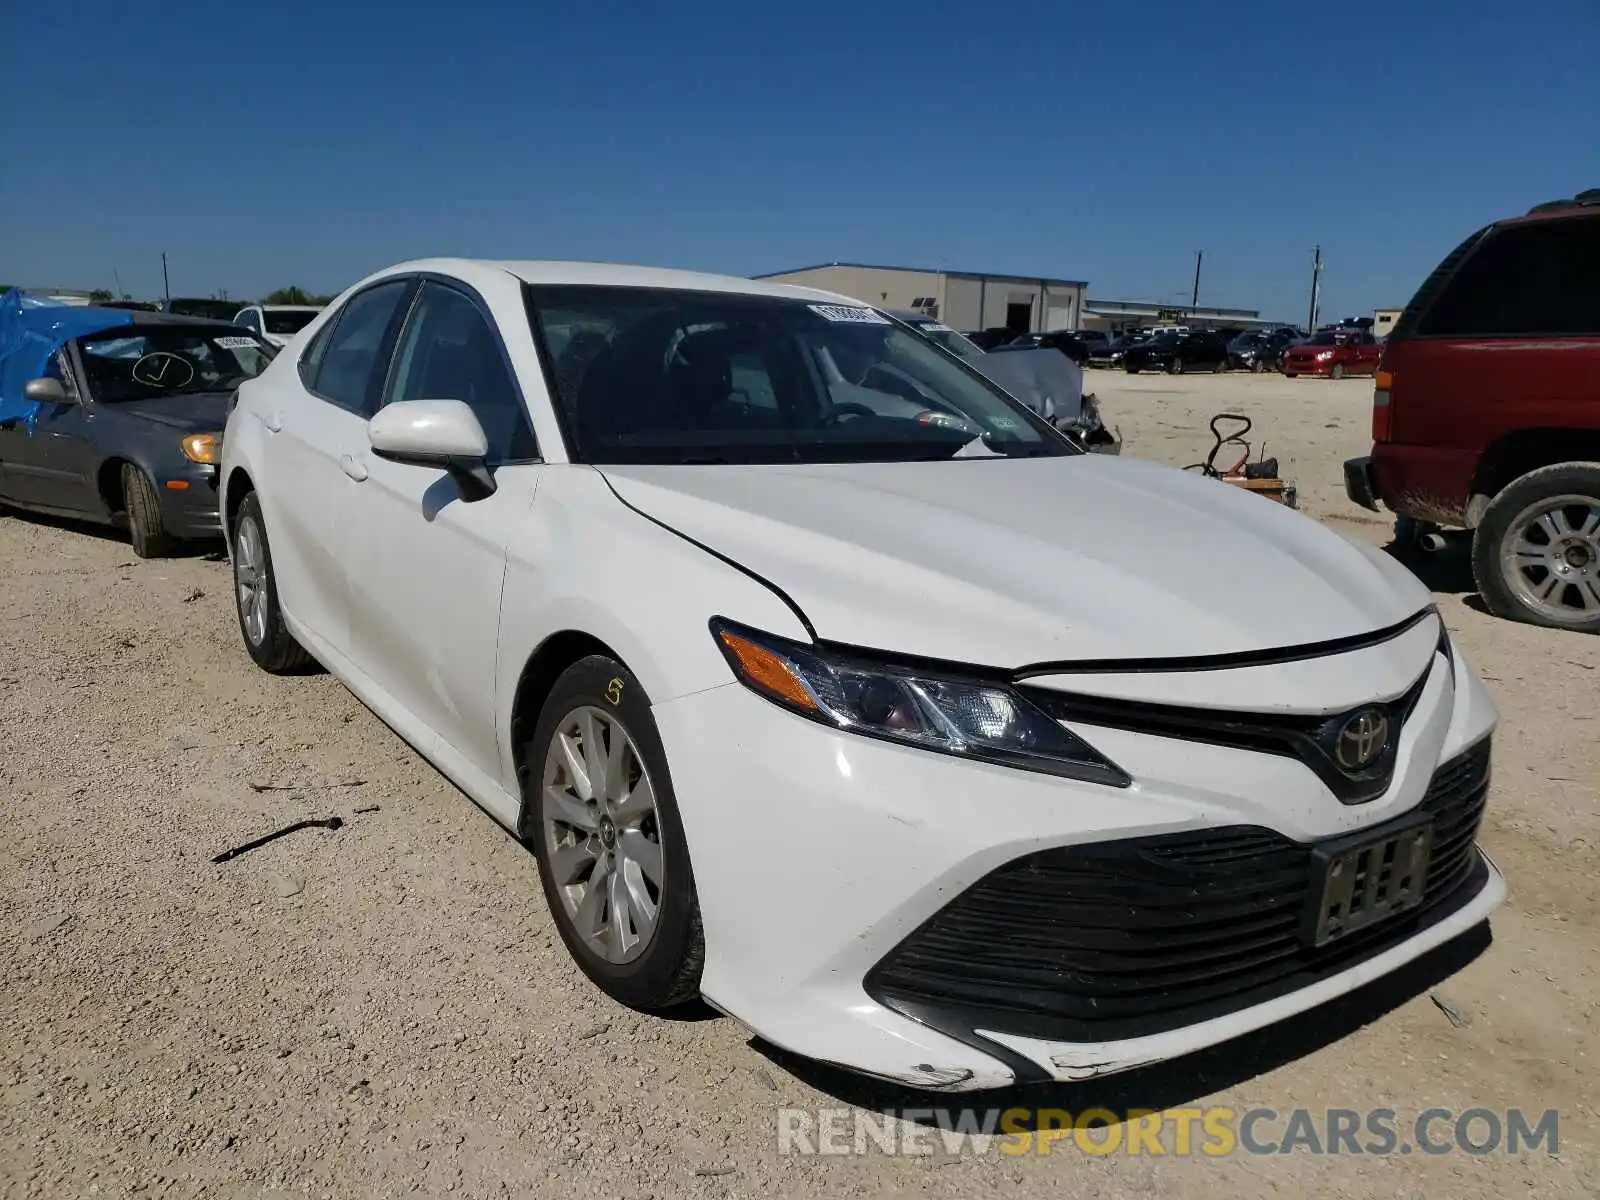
847, 409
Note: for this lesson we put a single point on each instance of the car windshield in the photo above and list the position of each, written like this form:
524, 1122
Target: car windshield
214, 310
647, 375
137, 363
288, 320
1329, 339
1162, 340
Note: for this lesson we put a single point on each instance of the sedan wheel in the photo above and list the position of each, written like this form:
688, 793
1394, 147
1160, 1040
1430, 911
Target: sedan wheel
1536, 554
1337, 372
603, 835
602, 818
255, 591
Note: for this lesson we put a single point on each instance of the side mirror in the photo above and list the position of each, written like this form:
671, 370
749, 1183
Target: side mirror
444, 434
45, 391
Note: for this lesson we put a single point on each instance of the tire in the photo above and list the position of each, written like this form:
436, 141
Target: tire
255, 595
1220, 367
1291, 375
1257, 366
1336, 371
1131, 370
574, 839
1175, 367
146, 529
1555, 513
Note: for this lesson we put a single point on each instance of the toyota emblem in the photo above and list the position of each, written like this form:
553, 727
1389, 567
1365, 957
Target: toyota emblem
1361, 740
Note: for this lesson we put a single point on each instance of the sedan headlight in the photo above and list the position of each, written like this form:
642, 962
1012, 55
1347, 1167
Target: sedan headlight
1324, 355
202, 447
967, 717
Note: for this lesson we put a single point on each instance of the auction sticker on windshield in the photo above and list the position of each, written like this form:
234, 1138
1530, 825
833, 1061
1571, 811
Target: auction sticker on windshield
237, 343
849, 314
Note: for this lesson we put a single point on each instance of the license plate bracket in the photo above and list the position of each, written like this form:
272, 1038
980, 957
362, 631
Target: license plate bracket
1366, 877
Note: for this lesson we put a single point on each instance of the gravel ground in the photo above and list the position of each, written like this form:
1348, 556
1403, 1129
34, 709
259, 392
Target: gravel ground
386, 1009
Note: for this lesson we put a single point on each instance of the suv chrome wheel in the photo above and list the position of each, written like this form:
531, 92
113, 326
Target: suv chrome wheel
603, 834
1552, 558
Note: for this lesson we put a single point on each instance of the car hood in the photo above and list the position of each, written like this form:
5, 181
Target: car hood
1024, 561
192, 412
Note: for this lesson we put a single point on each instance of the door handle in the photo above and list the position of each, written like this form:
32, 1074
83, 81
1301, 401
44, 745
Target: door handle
353, 467
273, 422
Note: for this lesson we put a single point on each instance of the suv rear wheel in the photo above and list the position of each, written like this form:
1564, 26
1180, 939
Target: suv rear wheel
1536, 553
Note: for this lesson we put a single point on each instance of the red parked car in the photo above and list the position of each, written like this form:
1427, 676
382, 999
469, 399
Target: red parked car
1334, 353
1486, 414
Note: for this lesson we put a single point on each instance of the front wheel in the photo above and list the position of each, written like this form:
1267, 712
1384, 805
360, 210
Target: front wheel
602, 818
1337, 372
1536, 553
1220, 367
146, 528
1175, 367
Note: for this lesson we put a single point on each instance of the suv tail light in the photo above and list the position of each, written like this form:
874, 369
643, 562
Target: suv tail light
1382, 406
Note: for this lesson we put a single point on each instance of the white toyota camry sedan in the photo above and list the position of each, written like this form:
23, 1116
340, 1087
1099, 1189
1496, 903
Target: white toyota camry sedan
829, 683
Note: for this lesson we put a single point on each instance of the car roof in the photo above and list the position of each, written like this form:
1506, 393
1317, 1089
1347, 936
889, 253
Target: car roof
611, 275
288, 307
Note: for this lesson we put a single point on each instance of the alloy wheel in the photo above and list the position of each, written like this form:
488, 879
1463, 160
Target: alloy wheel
1551, 557
250, 579
602, 834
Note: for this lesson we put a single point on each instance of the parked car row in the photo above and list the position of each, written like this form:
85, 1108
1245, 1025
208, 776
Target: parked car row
653, 563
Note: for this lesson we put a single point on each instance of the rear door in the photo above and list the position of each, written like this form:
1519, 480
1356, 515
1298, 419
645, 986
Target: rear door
316, 421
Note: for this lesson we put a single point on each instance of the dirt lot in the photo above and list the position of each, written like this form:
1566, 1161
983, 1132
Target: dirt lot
386, 1009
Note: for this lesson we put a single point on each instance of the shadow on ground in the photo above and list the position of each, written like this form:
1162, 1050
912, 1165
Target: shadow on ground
1447, 570
211, 550
1172, 1084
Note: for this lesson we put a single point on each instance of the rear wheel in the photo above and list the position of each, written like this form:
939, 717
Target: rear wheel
1536, 553
146, 529
255, 590
1175, 367
602, 817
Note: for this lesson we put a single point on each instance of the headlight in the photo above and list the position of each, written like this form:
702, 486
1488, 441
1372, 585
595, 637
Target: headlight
202, 447
966, 717
1324, 355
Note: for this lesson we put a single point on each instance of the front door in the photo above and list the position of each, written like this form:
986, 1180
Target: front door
49, 461
426, 566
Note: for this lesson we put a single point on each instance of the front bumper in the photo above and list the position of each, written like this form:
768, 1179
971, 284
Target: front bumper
1306, 366
818, 855
190, 509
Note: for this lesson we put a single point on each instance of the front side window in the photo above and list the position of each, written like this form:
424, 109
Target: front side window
448, 352
1538, 279
347, 360
645, 375
134, 362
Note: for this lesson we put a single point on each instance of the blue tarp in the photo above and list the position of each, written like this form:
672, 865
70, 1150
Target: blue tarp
31, 330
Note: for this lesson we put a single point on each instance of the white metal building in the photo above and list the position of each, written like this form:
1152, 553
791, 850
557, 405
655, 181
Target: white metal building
962, 299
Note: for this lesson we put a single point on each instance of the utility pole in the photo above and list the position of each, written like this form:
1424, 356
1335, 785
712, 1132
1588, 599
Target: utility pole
1194, 300
117, 278
166, 287
1316, 289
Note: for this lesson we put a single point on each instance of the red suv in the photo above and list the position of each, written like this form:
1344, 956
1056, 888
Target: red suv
1486, 414
1334, 353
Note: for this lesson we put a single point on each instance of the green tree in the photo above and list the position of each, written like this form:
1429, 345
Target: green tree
100, 295
288, 295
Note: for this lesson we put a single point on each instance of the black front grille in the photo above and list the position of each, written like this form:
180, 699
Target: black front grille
1126, 938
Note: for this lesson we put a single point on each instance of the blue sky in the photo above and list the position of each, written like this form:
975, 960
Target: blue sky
287, 142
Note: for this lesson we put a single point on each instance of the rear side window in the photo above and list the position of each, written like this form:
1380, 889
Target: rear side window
1539, 279
349, 355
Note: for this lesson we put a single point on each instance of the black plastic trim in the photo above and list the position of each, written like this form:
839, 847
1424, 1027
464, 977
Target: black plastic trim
1225, 662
